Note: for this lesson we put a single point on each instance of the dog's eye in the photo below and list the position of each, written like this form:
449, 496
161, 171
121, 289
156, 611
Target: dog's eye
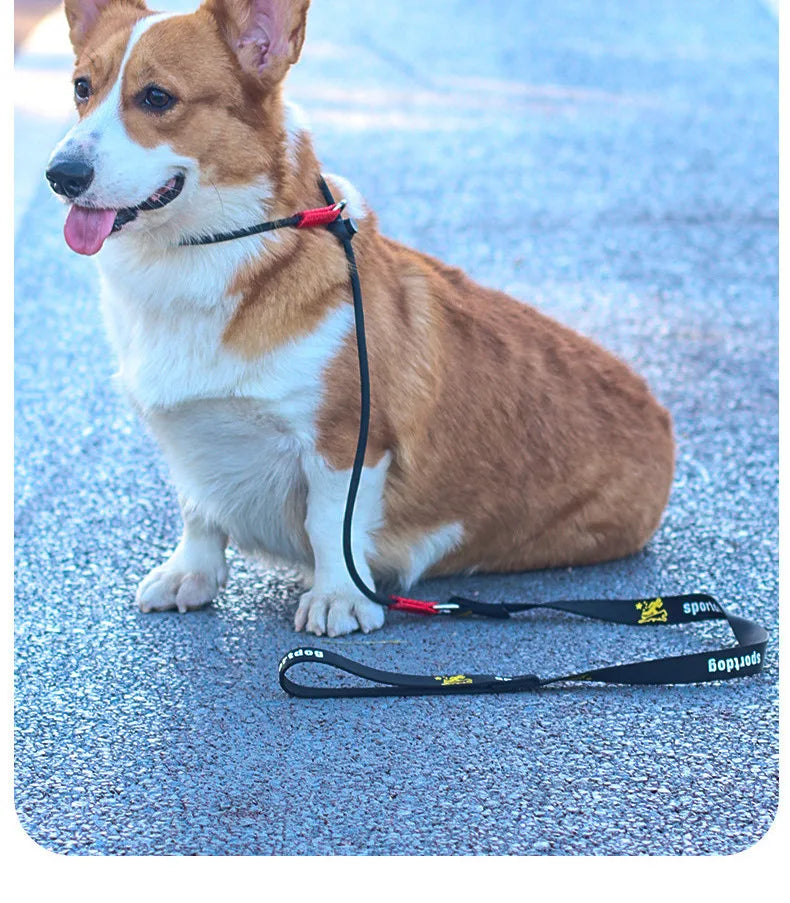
154, 98
82, 89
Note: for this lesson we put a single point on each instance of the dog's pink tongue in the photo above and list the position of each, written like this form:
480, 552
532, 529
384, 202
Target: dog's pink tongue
86, 229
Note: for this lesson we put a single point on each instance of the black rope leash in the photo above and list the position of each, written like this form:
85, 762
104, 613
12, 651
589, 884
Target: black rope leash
744, 659
321, 216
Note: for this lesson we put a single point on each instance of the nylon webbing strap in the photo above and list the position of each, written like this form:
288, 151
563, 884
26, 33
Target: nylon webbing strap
741, 660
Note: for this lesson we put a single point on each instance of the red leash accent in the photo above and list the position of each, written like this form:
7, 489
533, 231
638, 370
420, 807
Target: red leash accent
320, 216
417, 606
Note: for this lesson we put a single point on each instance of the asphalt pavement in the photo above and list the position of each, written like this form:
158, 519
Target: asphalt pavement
614, 164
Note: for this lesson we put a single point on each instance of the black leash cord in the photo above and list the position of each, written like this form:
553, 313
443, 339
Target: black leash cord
243, 233
344, 230
743, 659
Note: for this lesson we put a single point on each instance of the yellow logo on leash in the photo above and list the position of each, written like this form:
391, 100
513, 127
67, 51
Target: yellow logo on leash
454, 679
652, 611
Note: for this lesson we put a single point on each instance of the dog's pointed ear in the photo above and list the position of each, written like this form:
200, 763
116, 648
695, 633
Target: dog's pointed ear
265, 35
82, 15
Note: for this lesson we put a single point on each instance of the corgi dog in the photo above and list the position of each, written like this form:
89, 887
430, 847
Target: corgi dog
499, 441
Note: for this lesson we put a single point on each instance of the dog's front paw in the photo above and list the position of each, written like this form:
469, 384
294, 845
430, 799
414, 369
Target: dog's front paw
337, 613
172, 585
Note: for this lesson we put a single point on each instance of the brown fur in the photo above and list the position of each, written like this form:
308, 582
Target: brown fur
98, 20
99, 45
548, 449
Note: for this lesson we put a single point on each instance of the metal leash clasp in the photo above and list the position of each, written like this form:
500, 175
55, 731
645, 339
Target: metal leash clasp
445, 608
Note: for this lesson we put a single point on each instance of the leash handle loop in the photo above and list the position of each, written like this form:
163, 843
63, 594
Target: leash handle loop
391, 683
742, 660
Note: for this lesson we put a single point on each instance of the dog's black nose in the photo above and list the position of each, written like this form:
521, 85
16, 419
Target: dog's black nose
70, 177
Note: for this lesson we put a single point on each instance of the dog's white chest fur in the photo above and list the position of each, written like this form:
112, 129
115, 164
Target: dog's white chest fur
238, 466
235, 432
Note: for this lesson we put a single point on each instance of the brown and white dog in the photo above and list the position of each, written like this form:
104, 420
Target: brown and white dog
500, 440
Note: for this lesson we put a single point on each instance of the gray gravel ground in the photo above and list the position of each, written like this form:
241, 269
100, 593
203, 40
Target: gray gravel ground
616, 165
